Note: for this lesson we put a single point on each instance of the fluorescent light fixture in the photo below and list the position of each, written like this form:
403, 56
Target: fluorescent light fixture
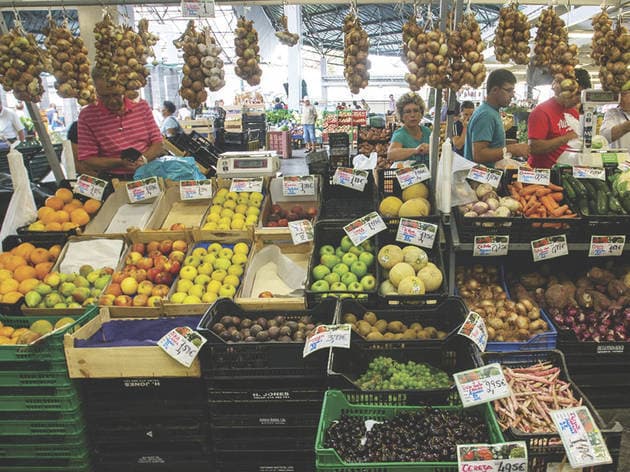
580, 34
498, 65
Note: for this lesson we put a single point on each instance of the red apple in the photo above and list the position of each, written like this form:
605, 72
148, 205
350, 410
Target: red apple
292, 217
273, 217
265, 294
123, 300
166, 247
145, 287
283, 222
118, 277
160, 290
298, 210
276, 208
107, 271
141, 275
152, 246
152, 274
177, 227
159, 262
282, 213
145, 263
133, 257
106, 300
175, 266
180, 245
311, 212
154, 254
164, 278
138, 247
272, 224
178, 256
140, 300
113, 289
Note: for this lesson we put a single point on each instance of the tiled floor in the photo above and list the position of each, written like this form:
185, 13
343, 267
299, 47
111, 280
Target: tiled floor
296, 165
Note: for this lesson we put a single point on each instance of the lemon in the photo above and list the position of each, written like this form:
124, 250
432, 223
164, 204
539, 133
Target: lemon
241, 248
218, 200
222, 192
178, 297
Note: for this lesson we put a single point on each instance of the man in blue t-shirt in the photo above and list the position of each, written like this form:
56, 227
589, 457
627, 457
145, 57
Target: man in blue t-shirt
485, 136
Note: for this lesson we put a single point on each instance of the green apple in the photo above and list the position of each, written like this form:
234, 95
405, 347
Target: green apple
326, 249
320, 286
367, 258
348, 278
209, 297
358, 268
95, 292
222, 263
183, 285
59, 306
346, 243
191, 300
102, 281
227, 290
214, 248
188, 272
339, 252
368, 282
356, 250
202, 279
235, 269
349, 258
367, 246
341, 269
74, 305
332, 278
329, 260
92, 276
346, 295
52, 299
338, 287
320, 271
32, 299
209, 258
193, 261
178, 297
196, 291
355, 287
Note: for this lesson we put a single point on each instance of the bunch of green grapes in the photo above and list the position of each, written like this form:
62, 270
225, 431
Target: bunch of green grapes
384, 373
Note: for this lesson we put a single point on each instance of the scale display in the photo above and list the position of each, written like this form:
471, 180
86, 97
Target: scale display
249, 163
599, 96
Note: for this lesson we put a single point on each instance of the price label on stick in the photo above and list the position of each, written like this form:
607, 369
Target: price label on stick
301, 231
549, 247
602, 246
296, 186
534, 176
485, 175
582, 439
364, 228
409, 176
182, 344
589, 173
91, 187
623, 166
247, 185
496, 245
481, 385
474, 329
416, 232
326, 336
145, 189
351, 178
195, 189
500, 457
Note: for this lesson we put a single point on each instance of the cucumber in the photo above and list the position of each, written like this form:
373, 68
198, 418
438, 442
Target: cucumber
600, 185
580, 190
569, 190
590, 189
625, 202
615, 205
583, 206
602, 203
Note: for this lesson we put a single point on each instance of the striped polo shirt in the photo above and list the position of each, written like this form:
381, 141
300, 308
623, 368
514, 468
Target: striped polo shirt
106, 134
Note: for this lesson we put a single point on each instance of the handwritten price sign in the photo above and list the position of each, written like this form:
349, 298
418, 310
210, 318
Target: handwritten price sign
195, 189
141, 190
582, 440
549, 247
474, 328
328, 336
301, 231
485, 175
364, 228
351, 178
416, 232
182, 344
481, 385
91, 187
247, 185
602, 246
295, 186
491, 245
534, 176
412, 175
500, 457
589, 173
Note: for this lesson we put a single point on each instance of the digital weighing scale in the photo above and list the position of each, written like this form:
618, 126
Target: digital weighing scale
248, 164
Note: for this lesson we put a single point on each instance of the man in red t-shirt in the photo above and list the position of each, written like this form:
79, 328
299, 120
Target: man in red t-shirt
547, 128
115, 123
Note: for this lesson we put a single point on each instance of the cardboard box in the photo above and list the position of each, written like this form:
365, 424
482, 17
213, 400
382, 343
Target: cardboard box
202, 126
116, 362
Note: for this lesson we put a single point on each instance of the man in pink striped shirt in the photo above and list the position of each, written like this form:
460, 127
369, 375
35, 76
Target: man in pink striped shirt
115, 123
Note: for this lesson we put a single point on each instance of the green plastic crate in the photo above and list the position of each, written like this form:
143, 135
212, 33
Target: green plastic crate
335, 403
46, 451
40, 374
51, 348
80, 461
42, 423
60, 399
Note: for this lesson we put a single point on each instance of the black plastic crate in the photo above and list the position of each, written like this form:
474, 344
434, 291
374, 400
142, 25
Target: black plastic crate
340, 202
292, 393
239, 414
155, 463
164, 453
331, 232
263, 439
338, 139
226, 359
264, 461
607, 388
448, 316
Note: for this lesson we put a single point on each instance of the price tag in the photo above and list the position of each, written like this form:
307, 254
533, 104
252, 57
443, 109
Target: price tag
534, 176
491, 245
195, 189
301, 231
295, 186
418, 233
91, 187
412, 175
481, 385
550, 247
351, 178
485, 175
582, 440
182, 344
602, 246
500, 457
247, 185
589, 173
326, 336
141, 190
364, 228
474, 328
624, 166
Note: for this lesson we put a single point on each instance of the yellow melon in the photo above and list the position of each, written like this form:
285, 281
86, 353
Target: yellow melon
415, 191
415, 207
390, 206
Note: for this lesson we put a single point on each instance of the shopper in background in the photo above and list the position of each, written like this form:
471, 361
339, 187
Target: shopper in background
364, 105
278, 105
391, 106
11, 128
170, 125
461, 126
547, 127
485, 134
309, 117
616, 125
184, 113
411, 142
112, 125
356, 105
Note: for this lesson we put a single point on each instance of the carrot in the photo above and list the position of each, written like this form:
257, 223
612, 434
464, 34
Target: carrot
543, 192
549, 203
552, 225
557, 196
518, 185
555, 188
568, 215
561, 210
531, 189
532, 210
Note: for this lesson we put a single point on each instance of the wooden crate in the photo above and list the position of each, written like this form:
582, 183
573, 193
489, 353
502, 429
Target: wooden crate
202, 126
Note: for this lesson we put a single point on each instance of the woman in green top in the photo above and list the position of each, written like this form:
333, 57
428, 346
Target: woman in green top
411, 142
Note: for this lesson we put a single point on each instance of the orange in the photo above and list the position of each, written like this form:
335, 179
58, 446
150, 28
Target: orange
76, 201
9, 285
80, 217
39, 255
68, 207
68, 225
4, 257
92, 206
14, 262
18, 332
23, 250
54, 226
4, 340
64, 194
41, 212
24, 272
12, 297
55, 203
50, 217
5, 274
62, 216
54, 251
6, 331
28, 285
43, 268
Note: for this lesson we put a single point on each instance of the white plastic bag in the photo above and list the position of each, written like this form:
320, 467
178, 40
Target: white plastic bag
444, 180
21, 210
362, 162
461, 191
67, 160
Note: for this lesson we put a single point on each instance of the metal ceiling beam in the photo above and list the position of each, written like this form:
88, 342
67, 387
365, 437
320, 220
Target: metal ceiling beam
74, 3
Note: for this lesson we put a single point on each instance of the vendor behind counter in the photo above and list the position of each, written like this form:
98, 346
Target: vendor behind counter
411, 141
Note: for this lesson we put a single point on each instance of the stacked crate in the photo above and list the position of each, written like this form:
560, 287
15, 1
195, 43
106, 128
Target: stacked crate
264, 397
43, 428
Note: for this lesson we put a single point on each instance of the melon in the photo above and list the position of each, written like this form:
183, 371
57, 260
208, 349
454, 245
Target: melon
415, 191
431, 276
415, 207
400, 271
389, 256
415, 256
389, 207
386, 288
411, 286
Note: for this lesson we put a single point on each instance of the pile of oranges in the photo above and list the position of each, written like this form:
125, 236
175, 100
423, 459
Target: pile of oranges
63, 212
23, 268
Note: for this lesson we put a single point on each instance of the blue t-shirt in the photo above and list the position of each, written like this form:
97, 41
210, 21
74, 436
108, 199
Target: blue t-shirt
485, 125
402, 136
171, 122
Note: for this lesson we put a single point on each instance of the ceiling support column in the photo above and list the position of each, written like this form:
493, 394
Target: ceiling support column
294, 17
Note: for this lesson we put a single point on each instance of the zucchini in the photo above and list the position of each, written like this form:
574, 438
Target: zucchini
580, 190
614, 205
590, 188
625, 202
600, 185
601, 203
583, 206
569, 190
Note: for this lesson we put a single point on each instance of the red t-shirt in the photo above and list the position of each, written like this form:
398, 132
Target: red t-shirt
105, 134
547, 121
